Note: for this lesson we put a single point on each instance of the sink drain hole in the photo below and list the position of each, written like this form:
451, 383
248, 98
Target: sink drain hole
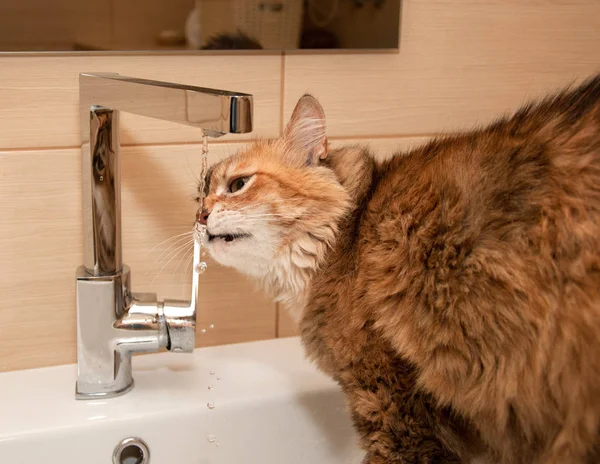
131, 451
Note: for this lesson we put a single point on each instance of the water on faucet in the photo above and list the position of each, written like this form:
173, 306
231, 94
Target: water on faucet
200, 229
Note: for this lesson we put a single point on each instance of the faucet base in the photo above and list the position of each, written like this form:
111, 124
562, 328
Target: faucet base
101, 395
112, 324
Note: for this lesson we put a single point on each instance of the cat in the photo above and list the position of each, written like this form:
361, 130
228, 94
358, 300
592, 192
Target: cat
453, 291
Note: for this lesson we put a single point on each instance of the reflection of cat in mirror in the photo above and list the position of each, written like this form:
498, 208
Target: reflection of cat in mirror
453, 291
231, 41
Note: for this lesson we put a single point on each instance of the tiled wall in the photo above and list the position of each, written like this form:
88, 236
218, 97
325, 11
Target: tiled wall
461, 62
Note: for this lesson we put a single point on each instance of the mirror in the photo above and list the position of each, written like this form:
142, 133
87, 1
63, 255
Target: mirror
193, 25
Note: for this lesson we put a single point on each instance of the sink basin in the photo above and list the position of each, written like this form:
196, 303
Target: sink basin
259, 402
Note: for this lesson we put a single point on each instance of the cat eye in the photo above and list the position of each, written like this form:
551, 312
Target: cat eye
98, 163
238, 184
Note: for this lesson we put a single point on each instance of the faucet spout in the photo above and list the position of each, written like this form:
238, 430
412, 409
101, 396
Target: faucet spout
216, 111
113, 322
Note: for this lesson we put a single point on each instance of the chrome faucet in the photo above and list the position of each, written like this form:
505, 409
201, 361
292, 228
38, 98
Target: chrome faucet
112, 322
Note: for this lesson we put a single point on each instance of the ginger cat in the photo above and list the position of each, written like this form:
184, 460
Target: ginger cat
453, 292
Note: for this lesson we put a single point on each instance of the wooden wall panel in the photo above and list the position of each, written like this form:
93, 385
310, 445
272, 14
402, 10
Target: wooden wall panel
40, 95
41, 246
461, 62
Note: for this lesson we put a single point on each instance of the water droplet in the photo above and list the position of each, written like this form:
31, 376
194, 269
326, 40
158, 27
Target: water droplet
211, 438
218, 378
212, 326
212, 372
203, 331
210, 405
210, 387
201, 268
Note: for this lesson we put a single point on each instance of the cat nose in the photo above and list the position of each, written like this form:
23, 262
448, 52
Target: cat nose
202, 217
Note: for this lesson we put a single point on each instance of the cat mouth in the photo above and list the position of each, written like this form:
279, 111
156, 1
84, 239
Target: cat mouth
227, 237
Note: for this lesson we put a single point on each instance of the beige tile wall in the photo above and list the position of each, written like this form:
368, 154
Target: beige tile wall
461, 62
39, 95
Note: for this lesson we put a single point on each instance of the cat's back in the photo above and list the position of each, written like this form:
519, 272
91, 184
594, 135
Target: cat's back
482, 259
505, 215
543, 163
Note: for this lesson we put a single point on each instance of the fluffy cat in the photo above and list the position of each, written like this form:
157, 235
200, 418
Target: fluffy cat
453, 291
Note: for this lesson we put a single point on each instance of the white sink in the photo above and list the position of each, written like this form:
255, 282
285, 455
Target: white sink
270, 407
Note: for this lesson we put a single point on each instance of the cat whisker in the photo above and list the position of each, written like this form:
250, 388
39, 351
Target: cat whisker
177, 243
178, 252
169, 239
170, 253
277, 216
184, 258
252, 216
187, 269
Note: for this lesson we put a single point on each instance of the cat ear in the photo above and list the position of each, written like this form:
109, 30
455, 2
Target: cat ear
305, 133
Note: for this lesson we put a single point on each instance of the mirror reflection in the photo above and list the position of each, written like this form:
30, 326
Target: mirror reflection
193, 25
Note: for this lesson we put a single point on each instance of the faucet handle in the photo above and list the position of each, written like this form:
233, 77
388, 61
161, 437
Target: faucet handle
180, 318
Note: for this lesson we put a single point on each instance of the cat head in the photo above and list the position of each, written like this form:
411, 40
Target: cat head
272, 210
